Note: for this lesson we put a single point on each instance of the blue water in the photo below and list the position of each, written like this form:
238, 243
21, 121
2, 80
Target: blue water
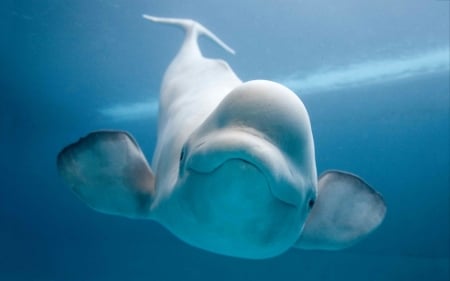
380, 109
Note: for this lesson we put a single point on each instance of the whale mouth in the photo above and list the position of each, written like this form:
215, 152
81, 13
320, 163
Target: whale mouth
249, 165
251, 148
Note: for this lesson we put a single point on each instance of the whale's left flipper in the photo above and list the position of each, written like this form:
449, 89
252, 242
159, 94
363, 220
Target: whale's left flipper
109, 172
346, 210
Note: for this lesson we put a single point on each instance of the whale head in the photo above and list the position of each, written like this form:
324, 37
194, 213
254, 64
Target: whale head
247, 175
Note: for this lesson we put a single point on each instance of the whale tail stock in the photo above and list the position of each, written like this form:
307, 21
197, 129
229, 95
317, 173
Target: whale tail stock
193, 30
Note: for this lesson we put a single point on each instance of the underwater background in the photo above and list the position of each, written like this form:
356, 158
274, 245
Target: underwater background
374, 76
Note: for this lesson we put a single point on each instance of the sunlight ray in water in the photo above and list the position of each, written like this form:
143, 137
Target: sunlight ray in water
131, 111
370, 72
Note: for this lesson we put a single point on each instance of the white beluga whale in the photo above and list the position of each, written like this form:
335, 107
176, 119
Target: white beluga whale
233, 171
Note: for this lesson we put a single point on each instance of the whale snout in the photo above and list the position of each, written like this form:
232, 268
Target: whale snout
248, 147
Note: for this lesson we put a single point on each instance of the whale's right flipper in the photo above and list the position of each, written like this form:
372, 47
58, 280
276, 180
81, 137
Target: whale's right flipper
109, 172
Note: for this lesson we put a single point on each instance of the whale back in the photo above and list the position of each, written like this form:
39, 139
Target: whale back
191, 89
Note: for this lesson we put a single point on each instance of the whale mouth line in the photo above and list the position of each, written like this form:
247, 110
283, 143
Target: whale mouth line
268, 180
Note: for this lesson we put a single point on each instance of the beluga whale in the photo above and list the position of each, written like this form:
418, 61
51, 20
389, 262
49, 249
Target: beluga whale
233, 171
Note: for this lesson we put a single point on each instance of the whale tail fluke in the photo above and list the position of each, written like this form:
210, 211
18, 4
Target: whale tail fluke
193, 29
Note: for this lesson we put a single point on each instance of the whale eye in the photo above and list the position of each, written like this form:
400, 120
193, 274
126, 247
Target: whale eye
182, 155
181, 163
311, 203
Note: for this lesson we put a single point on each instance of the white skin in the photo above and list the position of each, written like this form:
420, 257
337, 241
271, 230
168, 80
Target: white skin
233, 170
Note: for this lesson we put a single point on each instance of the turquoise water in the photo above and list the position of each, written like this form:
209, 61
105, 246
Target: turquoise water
373, 76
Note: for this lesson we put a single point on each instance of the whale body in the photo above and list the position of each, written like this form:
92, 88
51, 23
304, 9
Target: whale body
233, 171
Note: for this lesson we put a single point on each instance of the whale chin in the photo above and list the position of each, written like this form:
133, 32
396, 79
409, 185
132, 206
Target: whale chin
235, 212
